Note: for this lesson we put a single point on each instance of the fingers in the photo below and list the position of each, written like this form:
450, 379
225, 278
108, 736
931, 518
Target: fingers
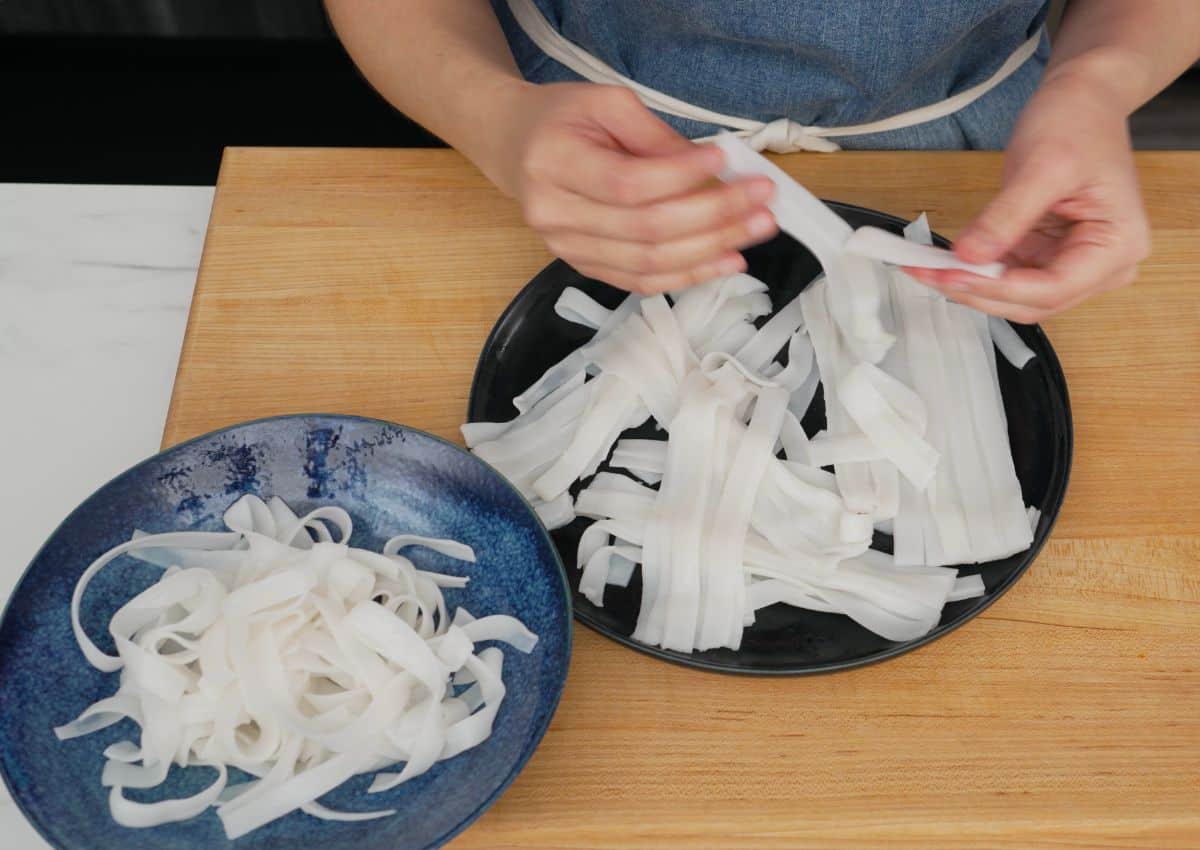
635, 127
623, 179
1094, 257
1040, 183
665, 282
1028, 314
672, 256
697, 212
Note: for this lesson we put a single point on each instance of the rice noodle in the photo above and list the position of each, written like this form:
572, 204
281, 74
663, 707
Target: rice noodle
731, 511
300, 661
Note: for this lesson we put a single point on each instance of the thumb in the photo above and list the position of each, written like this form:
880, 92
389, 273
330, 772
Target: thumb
1021, 203
634, 126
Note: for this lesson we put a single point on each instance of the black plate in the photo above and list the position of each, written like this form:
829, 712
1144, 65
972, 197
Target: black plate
529, 337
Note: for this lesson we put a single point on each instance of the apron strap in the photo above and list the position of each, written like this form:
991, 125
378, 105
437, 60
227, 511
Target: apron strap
779, 136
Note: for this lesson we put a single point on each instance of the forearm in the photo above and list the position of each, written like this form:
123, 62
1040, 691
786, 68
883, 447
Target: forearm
443, 63
1125, 51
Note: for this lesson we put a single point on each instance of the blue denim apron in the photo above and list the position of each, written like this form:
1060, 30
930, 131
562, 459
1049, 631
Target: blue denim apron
816, 63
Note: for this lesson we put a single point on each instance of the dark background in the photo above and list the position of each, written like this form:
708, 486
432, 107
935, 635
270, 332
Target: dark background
151, 91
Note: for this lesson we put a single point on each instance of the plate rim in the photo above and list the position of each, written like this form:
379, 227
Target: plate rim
1057, 495
532, 743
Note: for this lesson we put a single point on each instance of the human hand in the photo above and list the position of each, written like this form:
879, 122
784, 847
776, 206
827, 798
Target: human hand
1068, 220
618, 194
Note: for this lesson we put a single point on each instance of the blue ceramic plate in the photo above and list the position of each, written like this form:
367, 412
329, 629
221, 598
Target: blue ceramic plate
391, 479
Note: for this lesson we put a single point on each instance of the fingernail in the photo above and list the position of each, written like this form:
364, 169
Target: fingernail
760, 191
957, 285
760, 225
732, 264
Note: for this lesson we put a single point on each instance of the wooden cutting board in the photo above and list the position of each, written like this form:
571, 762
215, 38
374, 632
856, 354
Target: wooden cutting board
1067, 715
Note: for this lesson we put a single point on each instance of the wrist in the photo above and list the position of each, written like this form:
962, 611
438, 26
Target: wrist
1112, 76
489, 139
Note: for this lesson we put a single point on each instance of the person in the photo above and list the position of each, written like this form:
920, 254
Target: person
548, 98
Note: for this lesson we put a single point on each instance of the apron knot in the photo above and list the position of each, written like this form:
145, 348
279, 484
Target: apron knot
783, 135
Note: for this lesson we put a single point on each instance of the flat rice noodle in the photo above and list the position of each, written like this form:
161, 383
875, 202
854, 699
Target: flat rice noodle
323, 813
557, 512
800, 363
939, 513
679, 512
577, 306
198, 539
640, 456
304, 787
770, 339
720, 623
607, 565
918, 230
825, 450
610, 406
854, 479
574, 363
734, 337
450, 548
733, 317
794, 441
967, 587
632, 354
869, 397
696, 308
475, 433
661, 320
877, 244
133, 814
1008, 517
1011, 345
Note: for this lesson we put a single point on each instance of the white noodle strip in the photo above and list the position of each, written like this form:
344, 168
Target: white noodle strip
575, 362
800, 364
987, 416
794, 441
918, 230
661, 320
318, 811
876, 244
862, 393
731, 339
1035, 517
557, 512
450, 548
967, 587
944, 531
611, 406
475, 433
577, 306
721, 622
1011, 345
129, 813
770, 339
599, 569
699, 306
631, 353
854, 479
201, 663
679, 514
825, 450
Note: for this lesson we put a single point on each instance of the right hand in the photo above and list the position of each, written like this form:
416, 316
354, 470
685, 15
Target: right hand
621, 196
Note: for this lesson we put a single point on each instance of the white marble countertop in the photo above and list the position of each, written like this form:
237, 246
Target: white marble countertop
95, 283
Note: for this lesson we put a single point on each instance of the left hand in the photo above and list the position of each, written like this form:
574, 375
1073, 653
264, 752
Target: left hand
1068, 220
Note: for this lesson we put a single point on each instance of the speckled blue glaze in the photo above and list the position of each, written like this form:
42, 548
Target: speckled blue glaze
391, 479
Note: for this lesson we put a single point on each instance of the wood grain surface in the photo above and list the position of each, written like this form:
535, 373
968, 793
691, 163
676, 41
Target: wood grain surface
1066, 716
